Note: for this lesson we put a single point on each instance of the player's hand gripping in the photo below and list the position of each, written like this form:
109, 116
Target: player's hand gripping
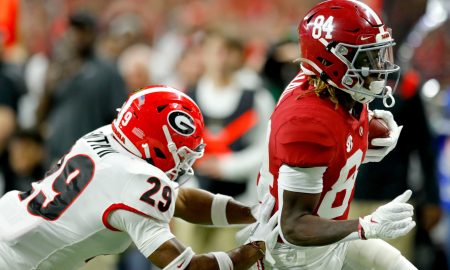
264, 229
387, 144
391, 220
265, 224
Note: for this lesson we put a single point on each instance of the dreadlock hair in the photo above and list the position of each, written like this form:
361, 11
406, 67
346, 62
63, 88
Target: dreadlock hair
325, 90
322, 89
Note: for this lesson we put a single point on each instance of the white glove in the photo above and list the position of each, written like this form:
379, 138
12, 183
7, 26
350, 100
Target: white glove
391, 220
387, 144
265, 224
243, 235
264, 229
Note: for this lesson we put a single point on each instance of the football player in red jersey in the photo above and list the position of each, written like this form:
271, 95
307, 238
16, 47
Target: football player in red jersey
317, 139
121, 183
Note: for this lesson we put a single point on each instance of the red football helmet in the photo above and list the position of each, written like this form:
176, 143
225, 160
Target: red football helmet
163, 126
348, 46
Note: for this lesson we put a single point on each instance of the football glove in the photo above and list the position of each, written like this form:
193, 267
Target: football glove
391, 220
386, 144
264, 229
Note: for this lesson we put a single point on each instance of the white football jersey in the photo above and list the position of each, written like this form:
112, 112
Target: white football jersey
63, 220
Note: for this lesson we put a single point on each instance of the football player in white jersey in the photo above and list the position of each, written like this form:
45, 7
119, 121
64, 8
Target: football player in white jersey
318, 137
121, 184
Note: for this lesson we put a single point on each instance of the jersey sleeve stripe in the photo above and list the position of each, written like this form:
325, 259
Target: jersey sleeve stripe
119, 206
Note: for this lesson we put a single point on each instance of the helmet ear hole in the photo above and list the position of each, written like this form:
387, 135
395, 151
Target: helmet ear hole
160, 108
159, 153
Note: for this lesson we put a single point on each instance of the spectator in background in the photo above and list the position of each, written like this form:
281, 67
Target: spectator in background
188, 70
123, 31
235, 117
280, 67
134, 66
444, 181
432, 59
82, 91
11, 88
25, 160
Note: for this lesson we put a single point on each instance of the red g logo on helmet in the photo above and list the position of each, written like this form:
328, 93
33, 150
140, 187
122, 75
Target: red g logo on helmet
181, 122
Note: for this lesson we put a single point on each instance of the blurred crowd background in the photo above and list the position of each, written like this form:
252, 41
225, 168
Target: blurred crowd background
66, 65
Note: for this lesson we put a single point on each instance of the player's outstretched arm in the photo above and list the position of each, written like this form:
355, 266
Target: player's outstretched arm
391, 220
202, 207
300, 227
173, 255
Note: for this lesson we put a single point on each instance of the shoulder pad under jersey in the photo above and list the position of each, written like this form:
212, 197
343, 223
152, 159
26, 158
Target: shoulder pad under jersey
149, 192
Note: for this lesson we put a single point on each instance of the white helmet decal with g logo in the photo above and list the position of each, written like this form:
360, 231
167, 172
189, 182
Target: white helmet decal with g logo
181, 122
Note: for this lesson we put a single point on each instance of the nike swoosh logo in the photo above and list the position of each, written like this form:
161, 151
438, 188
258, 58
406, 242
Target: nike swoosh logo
365, 38
373, 221
181, 264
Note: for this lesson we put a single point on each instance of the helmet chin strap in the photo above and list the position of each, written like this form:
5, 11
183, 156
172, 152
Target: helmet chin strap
146, 150
182, 171
171, 146
388, 99
375, 87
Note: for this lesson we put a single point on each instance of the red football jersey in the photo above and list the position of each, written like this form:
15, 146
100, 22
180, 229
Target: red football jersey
309, 131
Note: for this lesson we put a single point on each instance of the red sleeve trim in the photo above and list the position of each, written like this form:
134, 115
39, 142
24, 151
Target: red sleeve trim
118, 206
